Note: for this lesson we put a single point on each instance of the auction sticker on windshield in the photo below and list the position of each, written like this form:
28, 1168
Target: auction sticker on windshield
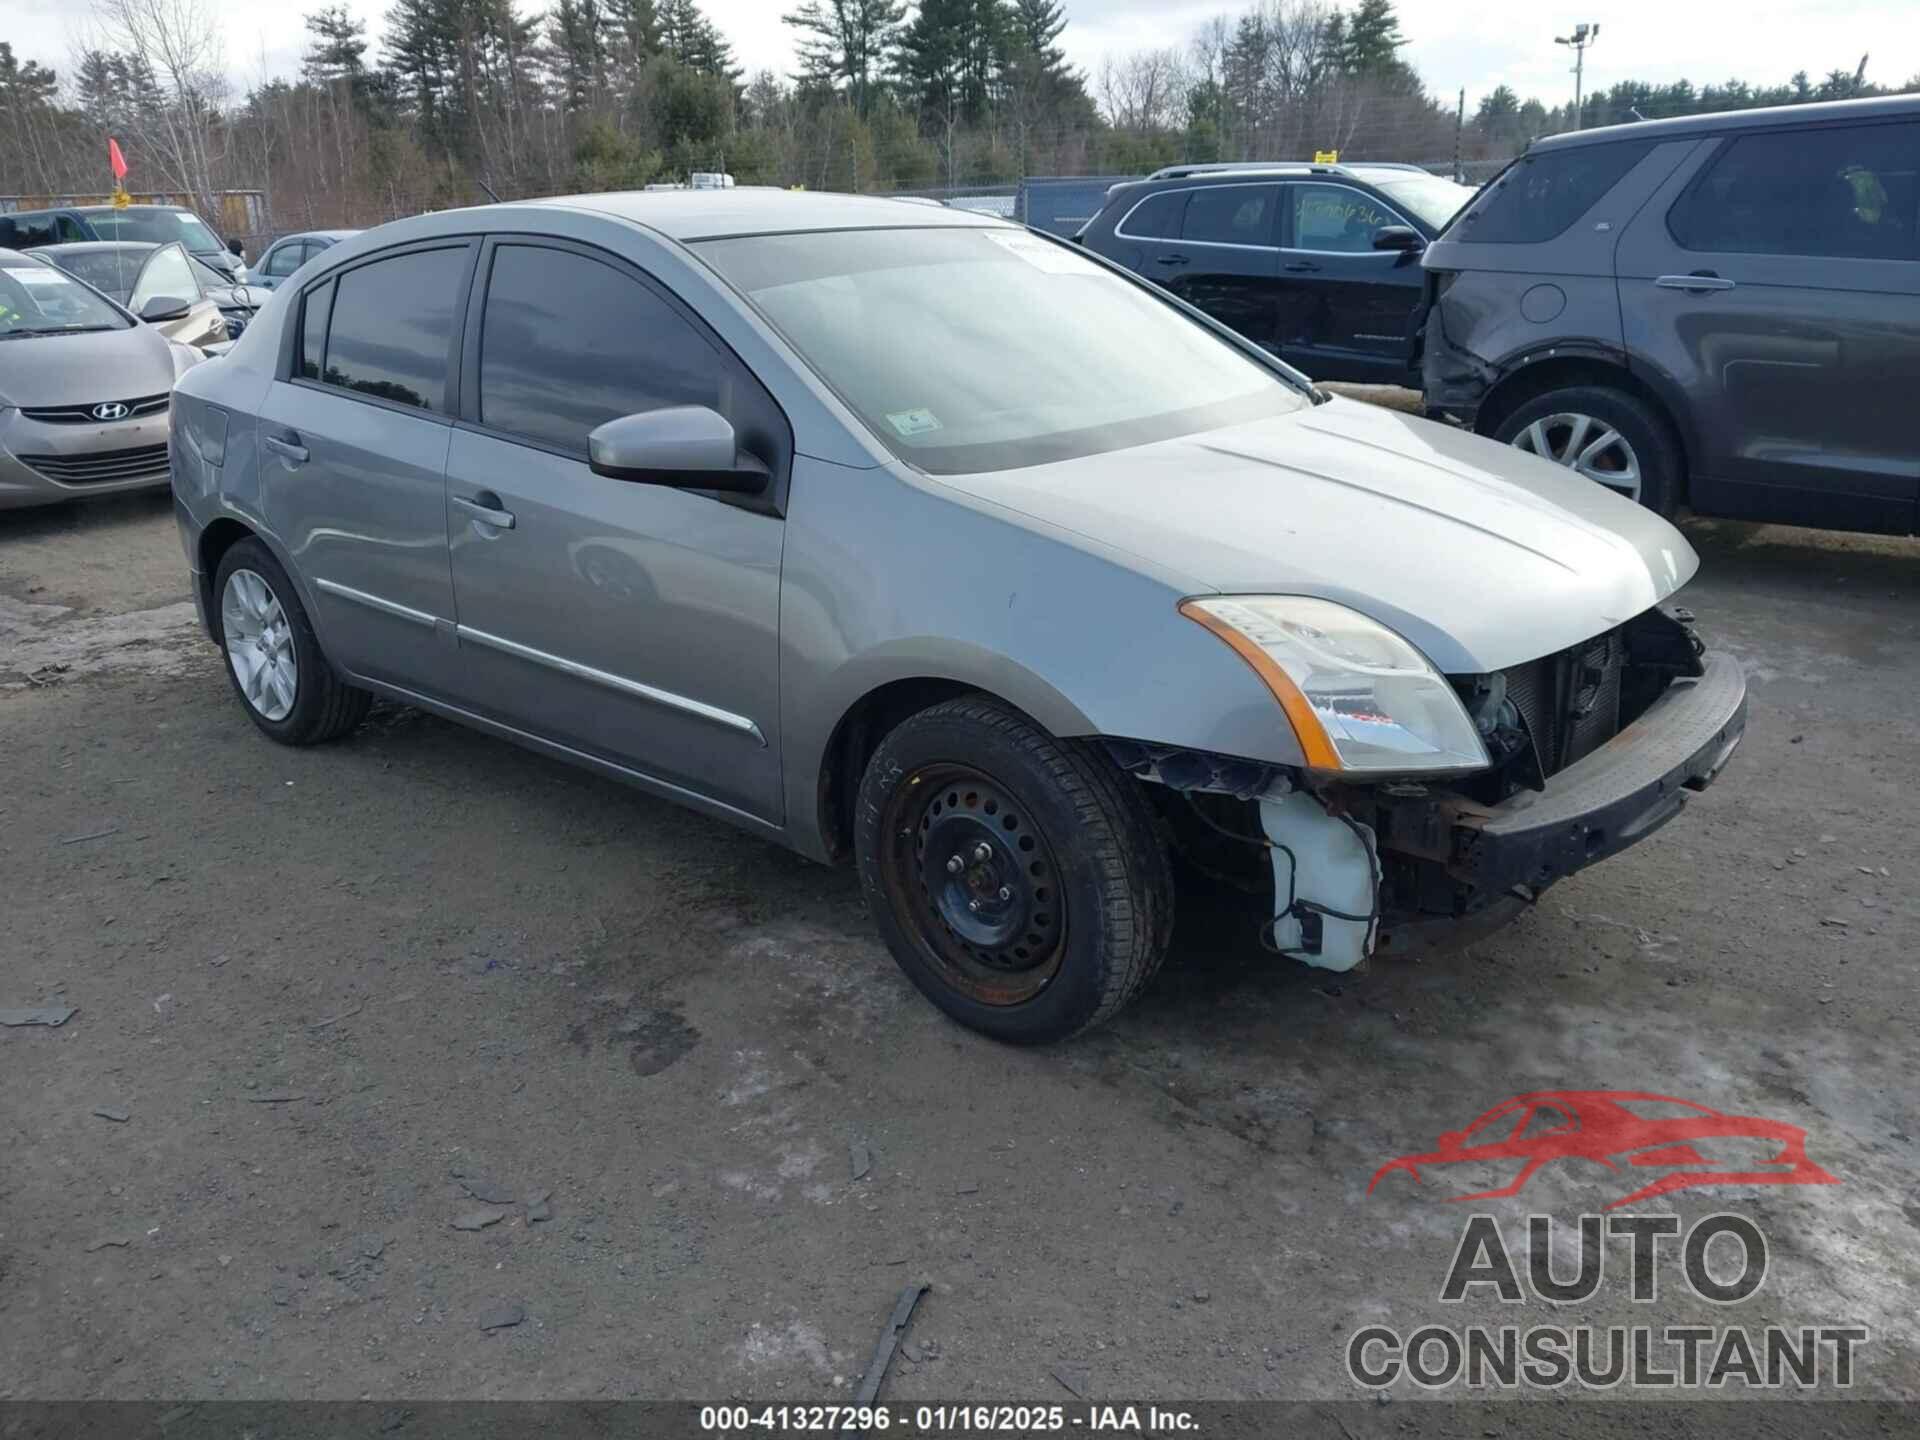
913, 422
37, 275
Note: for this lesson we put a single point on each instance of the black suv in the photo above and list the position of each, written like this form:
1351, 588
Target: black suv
1317, 263
1721, 310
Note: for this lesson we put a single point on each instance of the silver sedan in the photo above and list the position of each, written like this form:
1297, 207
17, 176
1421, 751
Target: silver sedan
83, 389
908, 537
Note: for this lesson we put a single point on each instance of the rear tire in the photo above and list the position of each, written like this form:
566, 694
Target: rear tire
1018, 879
273, 657
1549, 425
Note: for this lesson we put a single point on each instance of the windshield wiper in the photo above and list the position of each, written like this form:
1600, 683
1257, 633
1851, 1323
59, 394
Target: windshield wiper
59, 330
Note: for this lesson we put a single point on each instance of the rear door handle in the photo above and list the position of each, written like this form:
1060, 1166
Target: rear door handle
1171, 260
485, 507
288, 448
1300, 266
1696, 283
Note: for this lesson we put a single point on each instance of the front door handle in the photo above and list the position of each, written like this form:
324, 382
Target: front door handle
1300, 267
485, 507
1697, 283
1171, 260
289, 448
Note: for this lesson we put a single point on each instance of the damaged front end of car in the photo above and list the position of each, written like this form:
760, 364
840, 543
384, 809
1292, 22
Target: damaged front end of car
1580, 754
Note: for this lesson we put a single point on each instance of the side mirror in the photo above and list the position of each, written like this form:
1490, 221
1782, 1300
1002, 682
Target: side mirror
162, 308
1403, 238
687, 446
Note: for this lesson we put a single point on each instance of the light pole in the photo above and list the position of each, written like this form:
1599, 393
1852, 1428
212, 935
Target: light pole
1583, 36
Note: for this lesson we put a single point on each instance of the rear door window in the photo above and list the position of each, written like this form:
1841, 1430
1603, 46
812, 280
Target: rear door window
1840, 192
1157, 217
286, 258
1540, 195
313, 330
1231, 215
392, 328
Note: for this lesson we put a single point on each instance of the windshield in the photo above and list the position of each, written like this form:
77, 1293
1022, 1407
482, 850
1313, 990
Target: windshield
987, 349
1431, 199
157, 226
40, 300
112, 271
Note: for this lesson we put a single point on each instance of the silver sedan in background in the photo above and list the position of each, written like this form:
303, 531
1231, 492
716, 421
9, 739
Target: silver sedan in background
83, 389
906, 536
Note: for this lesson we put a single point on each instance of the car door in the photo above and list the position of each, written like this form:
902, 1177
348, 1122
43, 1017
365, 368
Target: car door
168, 274
1226, 262
1772, 286
1346, 309
635, 623
353, 450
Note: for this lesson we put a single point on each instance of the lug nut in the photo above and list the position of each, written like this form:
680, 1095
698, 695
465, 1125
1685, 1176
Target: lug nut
1005, 893
982, 853
973, 905
955, 865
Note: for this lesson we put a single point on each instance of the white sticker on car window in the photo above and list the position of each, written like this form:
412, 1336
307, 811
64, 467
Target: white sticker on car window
38, 275
1042, 254
913, 422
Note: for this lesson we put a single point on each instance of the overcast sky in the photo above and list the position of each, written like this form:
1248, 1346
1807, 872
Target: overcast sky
1473, 43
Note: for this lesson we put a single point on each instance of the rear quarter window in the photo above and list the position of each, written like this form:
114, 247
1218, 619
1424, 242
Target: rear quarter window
1539, 196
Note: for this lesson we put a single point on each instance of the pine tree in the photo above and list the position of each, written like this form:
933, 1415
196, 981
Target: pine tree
845, 42
1035, 25
1373, 39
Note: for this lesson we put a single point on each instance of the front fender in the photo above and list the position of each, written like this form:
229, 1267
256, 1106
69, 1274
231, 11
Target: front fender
887, 577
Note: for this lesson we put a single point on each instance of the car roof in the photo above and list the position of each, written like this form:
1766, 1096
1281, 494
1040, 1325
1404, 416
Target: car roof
1678, 127
710, 214
127, 209
315, 235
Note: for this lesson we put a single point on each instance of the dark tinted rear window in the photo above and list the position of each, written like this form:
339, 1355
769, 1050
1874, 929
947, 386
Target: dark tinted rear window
1539, 196
1158, 216
393, 327
313, 330
1231, 215
1845, 192
26, 231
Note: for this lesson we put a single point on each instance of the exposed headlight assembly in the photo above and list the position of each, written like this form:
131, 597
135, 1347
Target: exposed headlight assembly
1361, 699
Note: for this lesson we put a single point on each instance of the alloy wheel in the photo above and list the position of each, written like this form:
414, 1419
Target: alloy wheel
1587, 445
259, 641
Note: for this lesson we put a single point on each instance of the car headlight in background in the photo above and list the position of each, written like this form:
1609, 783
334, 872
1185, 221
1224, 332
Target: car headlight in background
1361, 699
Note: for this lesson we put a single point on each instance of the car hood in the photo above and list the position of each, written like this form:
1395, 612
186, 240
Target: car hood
49, 370
1479, 554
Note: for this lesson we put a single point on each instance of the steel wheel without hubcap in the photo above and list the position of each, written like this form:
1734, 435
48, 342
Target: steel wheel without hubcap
1586, 445
259, 643
972, 878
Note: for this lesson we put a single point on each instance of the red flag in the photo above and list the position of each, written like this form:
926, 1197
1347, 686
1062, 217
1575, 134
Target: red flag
116, 159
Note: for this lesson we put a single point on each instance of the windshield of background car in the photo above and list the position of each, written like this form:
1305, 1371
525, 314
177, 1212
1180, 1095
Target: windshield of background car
1430, 198
157, 226
987, 349
113, 271
37, 299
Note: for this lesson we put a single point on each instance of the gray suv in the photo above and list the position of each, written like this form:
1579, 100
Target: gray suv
1721, 311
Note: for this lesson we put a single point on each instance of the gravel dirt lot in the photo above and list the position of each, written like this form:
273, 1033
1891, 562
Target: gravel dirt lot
342, 1004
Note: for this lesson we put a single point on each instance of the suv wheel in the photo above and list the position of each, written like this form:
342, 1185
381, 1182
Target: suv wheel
1607, 435
1017, 879
273, 656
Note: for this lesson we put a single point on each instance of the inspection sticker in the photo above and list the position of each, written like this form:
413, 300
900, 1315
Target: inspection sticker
913, 422
1042, 254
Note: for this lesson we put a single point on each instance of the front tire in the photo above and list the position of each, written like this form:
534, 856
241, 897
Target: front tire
273, 657
1605, 435
1017, 879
